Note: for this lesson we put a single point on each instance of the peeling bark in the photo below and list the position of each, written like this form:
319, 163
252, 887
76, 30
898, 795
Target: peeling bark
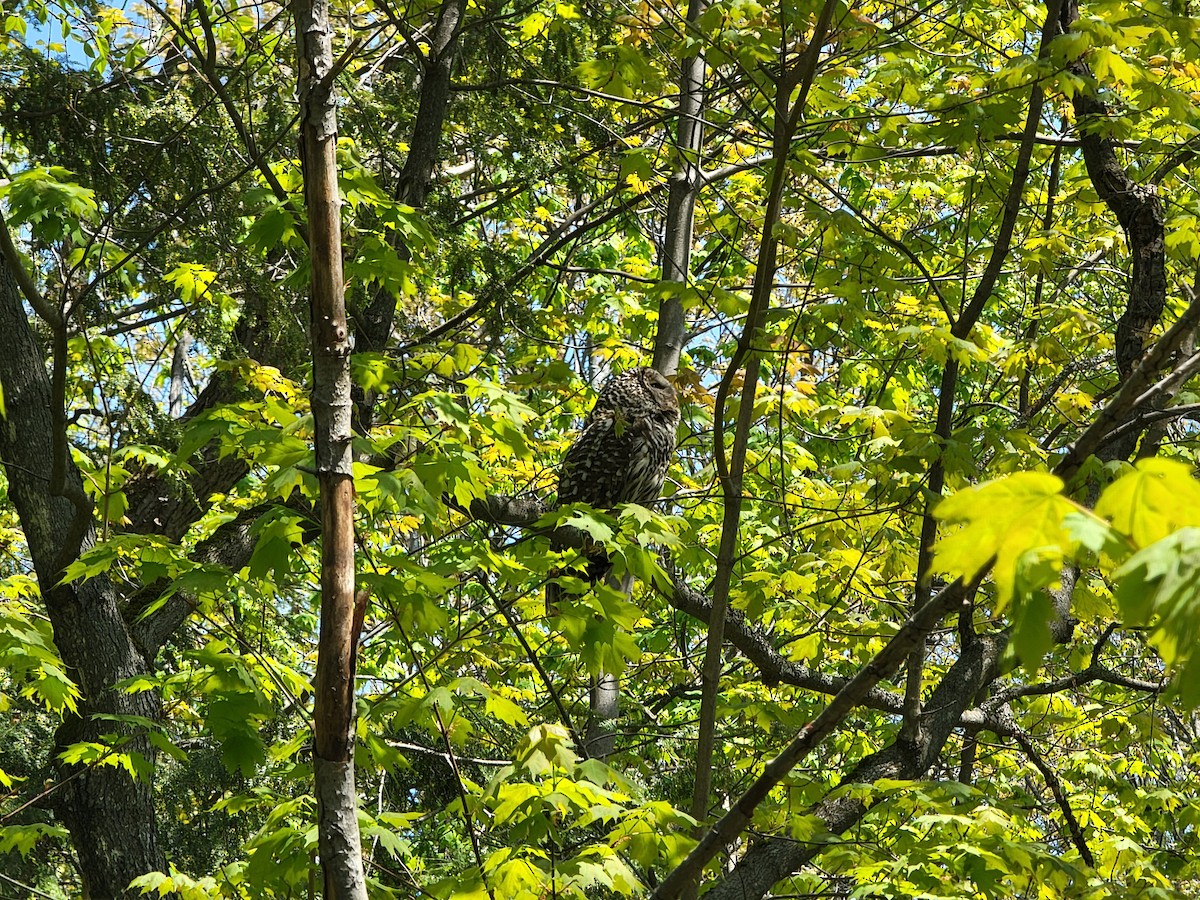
333, 688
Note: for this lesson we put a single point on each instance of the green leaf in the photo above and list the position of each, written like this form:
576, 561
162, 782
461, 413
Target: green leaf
1160, 586
1031, 635
597, 525
22, 838
94, 562
49, 202
545, 750
234, 721
1092, 533
505, 710
1160, 578
192, 280
279, 532
270, 228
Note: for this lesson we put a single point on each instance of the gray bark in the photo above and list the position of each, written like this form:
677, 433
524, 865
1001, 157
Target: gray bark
109, 815
769, 862
675, 258
604, 701
179, 374
604, 705
338, 837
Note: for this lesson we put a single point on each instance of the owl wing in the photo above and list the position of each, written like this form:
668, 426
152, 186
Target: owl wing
614, 461
594, 469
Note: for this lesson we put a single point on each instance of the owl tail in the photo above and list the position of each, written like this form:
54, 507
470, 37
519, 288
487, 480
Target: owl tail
598, 568
553, 594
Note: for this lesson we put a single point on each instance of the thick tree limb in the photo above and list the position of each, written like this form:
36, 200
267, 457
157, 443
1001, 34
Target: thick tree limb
774, 859
230, 546
885, 662
521, 510
1139, 210
1139, 387
773, 667
1136, 206
28, 286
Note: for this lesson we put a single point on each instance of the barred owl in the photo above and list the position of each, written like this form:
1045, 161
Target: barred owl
623, 453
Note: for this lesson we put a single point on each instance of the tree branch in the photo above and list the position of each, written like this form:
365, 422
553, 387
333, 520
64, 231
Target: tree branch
1138, 388
24, 280
885, 662
770, 860
1060, 797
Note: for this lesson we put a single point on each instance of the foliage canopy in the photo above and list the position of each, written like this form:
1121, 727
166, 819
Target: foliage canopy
987, 234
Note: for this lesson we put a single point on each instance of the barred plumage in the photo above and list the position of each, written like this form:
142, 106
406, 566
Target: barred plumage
623, 453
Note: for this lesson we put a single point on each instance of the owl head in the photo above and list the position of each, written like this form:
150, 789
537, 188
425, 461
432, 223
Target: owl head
639, 392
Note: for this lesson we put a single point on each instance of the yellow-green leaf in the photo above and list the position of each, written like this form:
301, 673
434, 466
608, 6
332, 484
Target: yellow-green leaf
1160, 496
1014, 520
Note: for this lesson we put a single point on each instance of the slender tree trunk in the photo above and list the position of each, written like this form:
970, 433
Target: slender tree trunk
787, 117
675, 258
416, 179
333, 756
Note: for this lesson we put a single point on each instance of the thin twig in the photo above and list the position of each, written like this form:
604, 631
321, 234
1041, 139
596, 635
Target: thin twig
1060, 796
547, 683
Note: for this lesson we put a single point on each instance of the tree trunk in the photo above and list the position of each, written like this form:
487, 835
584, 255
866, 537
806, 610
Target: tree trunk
375, 322
787, 117
333, 732
675, 258
108, 813
1138, 209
